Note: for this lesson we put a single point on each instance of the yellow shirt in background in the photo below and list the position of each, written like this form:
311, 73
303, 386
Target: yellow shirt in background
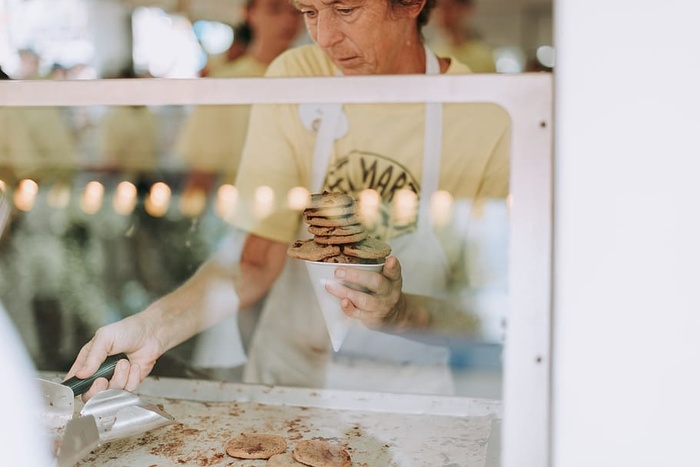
213, 135
129, 139
475, 54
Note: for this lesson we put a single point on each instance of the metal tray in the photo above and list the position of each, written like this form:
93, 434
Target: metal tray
377, 429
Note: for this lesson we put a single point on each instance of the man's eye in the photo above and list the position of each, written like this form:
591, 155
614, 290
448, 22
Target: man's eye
345, 11
309, 13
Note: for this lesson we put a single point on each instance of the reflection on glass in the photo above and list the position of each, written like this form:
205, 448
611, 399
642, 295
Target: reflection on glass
92, 198
226, 201
298, 198
25, 195
58, 196
158, 200
139, 234
124, 199
441, 209
264, 202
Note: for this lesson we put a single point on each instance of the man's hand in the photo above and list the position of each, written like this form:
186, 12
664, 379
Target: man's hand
134, 336
384, 306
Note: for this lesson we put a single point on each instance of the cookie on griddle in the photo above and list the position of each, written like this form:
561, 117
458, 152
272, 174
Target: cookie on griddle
319, 453
336, 221
312, 251
256, 446
369, 248
283, 460
329, 200
339, 231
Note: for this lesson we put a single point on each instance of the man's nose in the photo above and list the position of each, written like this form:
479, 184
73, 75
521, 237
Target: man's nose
327, 29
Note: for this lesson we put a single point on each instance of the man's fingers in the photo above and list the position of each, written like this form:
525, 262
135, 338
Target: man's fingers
134, 377
121, 375
96, 353
392, 269
100, 384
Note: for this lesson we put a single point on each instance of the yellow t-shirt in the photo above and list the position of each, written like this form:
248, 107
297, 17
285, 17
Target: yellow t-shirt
475, 54
213, 136
54, 156
382, 150
16, 146
129, 139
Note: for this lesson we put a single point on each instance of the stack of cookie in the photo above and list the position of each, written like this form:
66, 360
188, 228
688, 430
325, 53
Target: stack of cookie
339, 237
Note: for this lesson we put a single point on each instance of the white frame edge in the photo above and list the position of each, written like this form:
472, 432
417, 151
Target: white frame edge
528, 100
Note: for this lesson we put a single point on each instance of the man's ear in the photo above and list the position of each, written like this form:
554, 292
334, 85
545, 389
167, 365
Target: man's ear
417, 8
408, 8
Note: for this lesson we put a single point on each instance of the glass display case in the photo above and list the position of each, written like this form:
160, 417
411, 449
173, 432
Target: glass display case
119, 197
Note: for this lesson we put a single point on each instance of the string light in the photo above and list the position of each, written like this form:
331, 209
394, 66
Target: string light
158, 200
25, 194
441, 208
193, 202
298, 198
264, 202
369, 203
226, 202
92, 198
124, 200
404, 207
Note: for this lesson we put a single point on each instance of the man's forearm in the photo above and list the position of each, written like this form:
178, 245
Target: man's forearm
217, 290
206, 298
419, 313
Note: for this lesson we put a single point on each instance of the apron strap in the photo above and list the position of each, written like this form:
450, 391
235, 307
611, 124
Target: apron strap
432, 149
330, 115
432, 146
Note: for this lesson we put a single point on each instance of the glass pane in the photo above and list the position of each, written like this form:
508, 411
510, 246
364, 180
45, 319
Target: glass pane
115, 207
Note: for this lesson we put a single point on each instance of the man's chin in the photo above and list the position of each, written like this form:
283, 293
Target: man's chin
352, 67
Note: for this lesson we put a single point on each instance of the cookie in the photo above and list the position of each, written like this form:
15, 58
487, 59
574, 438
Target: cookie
339, 231
341, 240
329, 200
256, 446
369, 248
337, 221
283, 460
312, 251
318, 453
330, 212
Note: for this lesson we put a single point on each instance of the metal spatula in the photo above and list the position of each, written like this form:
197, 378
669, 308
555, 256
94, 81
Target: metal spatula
120, 414
59, 397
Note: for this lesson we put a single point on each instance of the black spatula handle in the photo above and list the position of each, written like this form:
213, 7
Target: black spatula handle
106, 370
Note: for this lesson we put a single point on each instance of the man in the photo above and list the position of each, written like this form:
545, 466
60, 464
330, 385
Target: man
352, 37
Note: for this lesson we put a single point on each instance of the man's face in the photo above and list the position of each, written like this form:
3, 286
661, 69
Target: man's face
274, 21
362, 37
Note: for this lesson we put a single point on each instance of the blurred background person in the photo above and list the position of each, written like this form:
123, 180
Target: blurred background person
454, 35
211, 144
213, 136
15, 141
29, 62
242, 36
129, 138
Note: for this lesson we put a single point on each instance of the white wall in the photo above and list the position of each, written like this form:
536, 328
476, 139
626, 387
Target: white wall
627, 219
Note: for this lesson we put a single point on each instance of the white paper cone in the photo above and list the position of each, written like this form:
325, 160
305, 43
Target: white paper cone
337, 323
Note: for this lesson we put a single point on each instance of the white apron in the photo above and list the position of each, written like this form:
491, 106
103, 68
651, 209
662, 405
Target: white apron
291, 345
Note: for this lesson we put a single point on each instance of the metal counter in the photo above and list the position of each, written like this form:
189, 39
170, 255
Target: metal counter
377, 429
